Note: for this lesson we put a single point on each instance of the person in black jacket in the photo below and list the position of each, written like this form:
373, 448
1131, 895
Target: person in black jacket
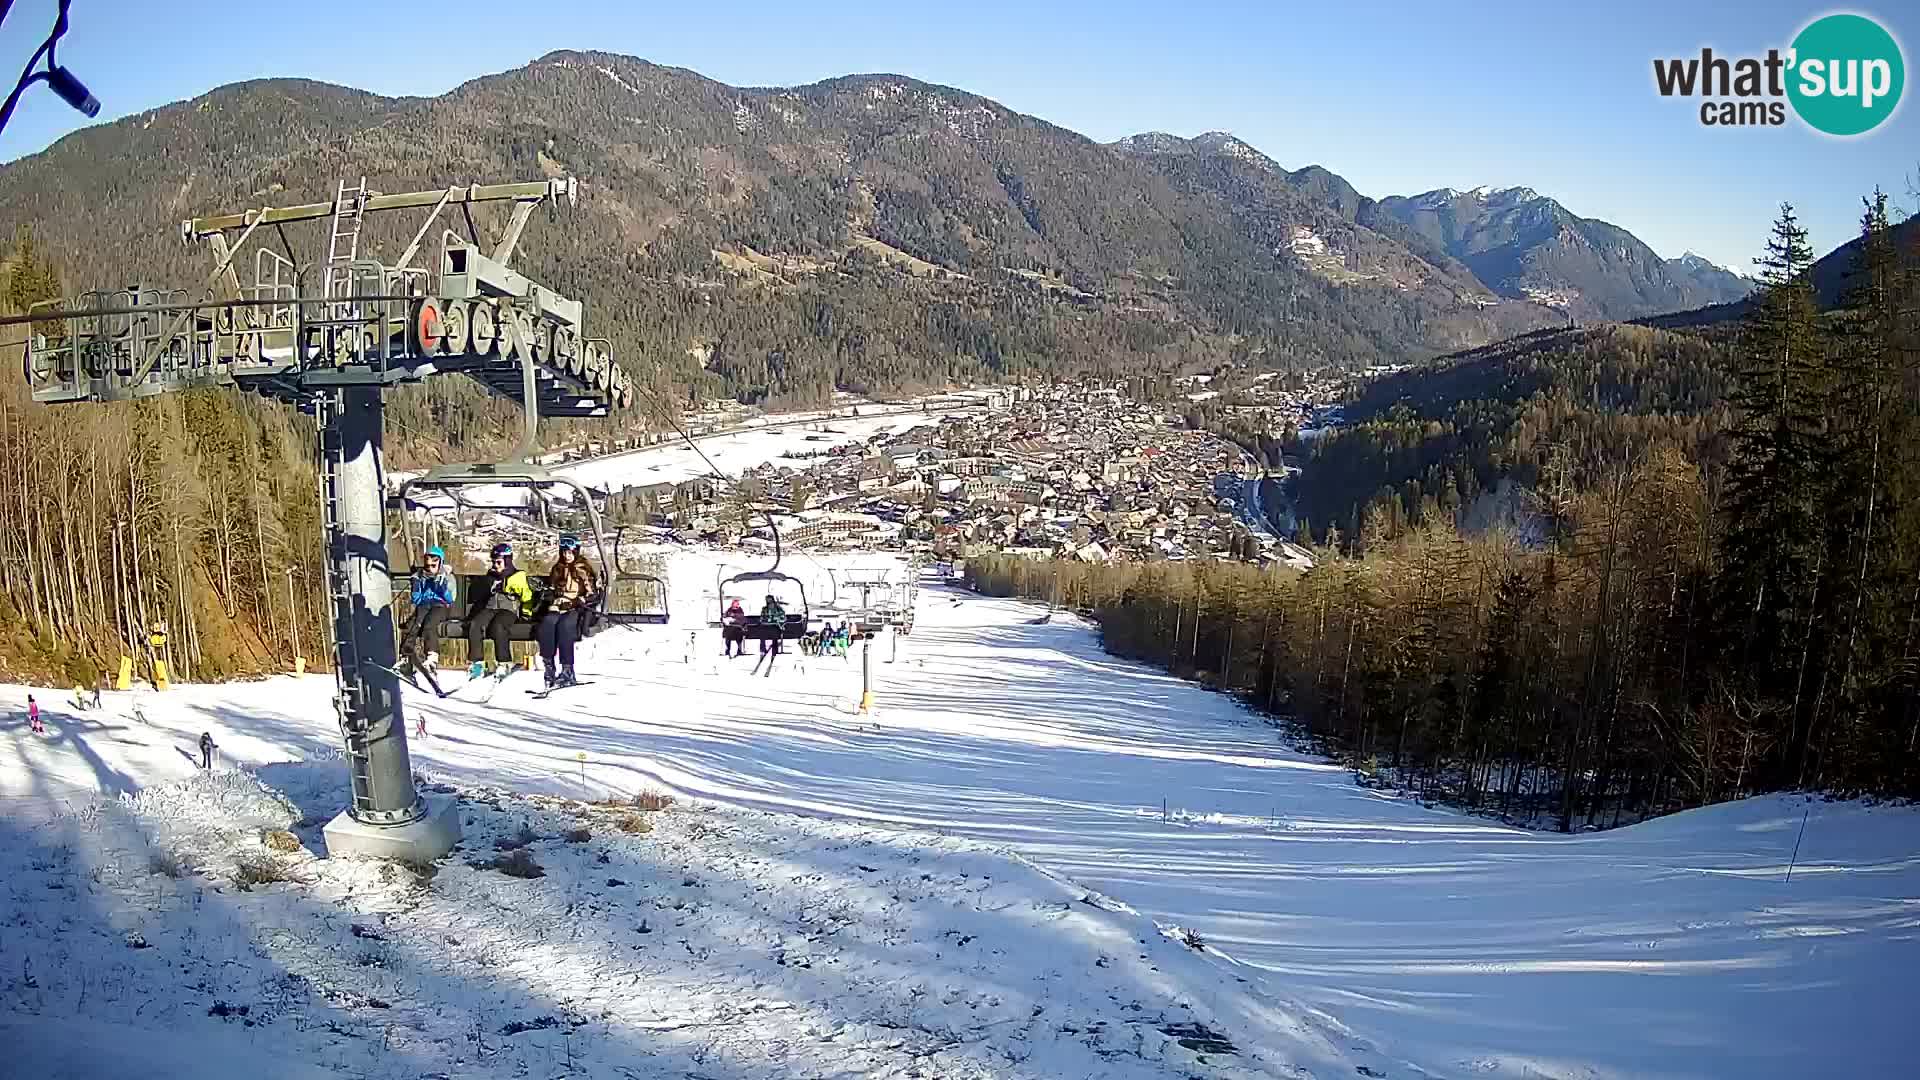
505, 596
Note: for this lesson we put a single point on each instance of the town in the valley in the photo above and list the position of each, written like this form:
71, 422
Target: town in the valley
1085, 470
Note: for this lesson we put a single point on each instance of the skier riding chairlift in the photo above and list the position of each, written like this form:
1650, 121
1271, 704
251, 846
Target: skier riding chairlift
772, 614
733, 630
572, 587
506, 596
432, 595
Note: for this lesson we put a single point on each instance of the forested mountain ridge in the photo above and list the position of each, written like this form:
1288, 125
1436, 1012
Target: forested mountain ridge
1521, 243
1552, 410
868, 232
1511, 244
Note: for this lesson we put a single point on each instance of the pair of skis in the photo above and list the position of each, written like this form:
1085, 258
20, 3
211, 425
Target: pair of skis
542, 694
414, 670
539, 694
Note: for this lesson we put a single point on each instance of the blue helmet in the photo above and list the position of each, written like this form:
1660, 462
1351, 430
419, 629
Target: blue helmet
569, 542
435, 553
503, 551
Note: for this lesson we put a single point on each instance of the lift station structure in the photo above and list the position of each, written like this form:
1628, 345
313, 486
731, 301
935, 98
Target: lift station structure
334, 353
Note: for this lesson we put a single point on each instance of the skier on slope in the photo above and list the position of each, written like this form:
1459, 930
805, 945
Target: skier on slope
505, 596
733, 630
772, 614
33, 716
432, 597
570, 585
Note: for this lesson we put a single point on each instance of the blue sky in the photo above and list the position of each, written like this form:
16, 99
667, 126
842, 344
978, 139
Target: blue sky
1396, 98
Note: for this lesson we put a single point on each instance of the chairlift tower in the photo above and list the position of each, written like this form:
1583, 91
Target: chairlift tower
333, 354
895, 607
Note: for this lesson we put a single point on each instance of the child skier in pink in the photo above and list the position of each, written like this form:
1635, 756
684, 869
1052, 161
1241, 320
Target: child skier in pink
33, 716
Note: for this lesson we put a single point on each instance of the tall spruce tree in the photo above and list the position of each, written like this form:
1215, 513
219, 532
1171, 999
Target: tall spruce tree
1773, 546
1867, 417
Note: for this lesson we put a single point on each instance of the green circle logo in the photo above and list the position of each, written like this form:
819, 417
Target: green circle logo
1847, 74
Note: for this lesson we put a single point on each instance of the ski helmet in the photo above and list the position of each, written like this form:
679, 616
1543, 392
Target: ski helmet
569, 542
503, 551
436, 553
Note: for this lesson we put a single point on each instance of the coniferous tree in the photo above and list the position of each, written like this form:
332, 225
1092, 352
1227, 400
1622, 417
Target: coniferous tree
1773, 550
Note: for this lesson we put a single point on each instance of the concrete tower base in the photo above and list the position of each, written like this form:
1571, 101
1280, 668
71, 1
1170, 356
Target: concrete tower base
420, 841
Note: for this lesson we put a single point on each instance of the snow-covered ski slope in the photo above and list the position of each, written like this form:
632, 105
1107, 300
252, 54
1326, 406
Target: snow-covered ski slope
674, 462
1426, 942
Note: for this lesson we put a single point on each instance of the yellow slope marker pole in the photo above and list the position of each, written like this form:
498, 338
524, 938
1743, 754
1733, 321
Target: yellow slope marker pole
866, 674
156, 641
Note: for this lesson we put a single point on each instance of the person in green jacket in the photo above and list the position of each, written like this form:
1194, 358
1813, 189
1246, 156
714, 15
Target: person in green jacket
505, 596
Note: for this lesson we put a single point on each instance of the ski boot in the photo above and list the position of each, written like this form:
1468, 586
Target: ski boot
550, 675
477, 670
433, 661
566, 678
502, 669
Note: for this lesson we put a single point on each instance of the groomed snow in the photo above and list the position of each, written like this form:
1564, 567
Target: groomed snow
676, 462
783, 440
1358, 929
690, 942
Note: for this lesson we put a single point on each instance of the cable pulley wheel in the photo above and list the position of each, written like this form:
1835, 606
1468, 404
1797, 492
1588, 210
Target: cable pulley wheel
454, 324
483, 333
542, 341
427, 335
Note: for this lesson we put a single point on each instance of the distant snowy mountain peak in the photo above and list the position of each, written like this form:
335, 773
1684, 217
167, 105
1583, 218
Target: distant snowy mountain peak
1220, 142
1523, 245
1212, 142
1484, 193
1693, 261
1154, 142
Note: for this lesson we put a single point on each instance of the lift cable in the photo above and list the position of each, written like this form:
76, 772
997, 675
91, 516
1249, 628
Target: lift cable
667, 413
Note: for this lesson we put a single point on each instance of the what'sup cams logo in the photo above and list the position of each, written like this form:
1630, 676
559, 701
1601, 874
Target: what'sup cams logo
1842, 75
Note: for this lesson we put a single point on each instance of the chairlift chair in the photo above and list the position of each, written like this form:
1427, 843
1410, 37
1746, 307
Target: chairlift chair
795, 626
626, 610
613, 606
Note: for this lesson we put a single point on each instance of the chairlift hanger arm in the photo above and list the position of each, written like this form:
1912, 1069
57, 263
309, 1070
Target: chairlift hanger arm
565, 187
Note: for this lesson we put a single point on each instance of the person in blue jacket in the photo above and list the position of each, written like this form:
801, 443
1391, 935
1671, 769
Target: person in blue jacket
432, 602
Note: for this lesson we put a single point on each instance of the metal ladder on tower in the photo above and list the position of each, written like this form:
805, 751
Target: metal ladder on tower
349, 208
346, 653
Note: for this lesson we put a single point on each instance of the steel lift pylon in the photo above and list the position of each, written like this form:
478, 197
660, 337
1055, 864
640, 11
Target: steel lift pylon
372, 326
